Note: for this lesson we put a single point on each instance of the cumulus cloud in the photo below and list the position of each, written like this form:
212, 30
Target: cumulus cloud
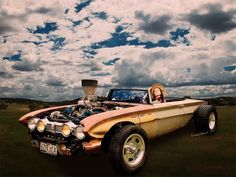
139, 73
168, 69
27, 66
214, 20
91, 66
128, 75
202, 91
5, 27
156, 25
55, 82
5, 75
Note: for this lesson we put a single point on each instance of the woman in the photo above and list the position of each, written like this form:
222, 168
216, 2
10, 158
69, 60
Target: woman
158, 92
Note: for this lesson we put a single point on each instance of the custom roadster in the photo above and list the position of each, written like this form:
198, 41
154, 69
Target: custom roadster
121, 125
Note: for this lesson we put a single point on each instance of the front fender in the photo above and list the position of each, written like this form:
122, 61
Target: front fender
29, 115
100, 129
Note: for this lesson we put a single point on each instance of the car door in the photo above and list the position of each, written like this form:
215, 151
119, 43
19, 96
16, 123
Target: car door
168, 117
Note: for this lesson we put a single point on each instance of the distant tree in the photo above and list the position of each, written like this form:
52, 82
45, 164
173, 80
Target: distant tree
3, 106
33, 106
187, 97
46, 105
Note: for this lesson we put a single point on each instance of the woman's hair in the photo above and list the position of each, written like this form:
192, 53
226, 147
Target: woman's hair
162, 97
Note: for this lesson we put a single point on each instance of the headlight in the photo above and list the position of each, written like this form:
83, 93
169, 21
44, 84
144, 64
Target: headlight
65, 130
32, 123
41, 126
78, 132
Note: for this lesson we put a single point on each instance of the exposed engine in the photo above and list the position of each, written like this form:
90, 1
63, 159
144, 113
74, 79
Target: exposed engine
78, 112
66, 121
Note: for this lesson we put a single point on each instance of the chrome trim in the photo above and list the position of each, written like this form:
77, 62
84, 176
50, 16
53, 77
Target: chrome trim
56, 127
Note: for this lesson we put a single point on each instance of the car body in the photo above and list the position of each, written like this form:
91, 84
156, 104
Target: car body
93, 126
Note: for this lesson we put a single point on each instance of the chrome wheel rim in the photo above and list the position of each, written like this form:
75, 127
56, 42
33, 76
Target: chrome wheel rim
212, 121
133, 150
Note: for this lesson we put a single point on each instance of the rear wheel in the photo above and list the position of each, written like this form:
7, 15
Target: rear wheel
205, 119
128, 149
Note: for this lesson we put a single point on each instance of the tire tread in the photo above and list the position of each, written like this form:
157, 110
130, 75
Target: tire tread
201, 118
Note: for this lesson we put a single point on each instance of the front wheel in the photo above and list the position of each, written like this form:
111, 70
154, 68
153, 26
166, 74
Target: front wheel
128, 149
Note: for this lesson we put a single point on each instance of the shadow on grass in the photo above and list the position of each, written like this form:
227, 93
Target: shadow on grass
81, 165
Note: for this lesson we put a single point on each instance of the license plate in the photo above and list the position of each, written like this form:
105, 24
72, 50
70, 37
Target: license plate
48, 148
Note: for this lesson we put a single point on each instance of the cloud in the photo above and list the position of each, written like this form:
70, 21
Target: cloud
214, 20
129, 75
138, 73
91, 66
170, 70
111, 62
202, 91
230, 46
5, 27
156, 25
28, 87
27, 66
15, 16
5, 75
100, 74
55, 82
6, 89
214, 73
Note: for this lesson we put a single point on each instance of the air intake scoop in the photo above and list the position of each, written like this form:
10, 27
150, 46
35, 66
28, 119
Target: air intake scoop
89, 86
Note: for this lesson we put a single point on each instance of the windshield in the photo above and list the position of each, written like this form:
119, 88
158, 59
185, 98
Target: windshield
129, 95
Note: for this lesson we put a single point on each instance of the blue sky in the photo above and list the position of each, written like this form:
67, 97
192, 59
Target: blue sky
46, 48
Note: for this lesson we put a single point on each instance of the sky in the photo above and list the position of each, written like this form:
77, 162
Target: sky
48, 47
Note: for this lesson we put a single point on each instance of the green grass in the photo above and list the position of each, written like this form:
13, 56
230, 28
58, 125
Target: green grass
175, 154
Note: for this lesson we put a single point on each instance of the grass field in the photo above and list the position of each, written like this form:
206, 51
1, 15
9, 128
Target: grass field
176, 154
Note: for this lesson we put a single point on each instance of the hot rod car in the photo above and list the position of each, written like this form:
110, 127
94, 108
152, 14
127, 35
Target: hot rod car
121, 125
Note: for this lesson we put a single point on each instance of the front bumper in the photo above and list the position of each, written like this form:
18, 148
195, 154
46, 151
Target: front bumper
67, 146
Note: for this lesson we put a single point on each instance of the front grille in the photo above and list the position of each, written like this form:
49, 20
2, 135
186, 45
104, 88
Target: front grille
57, 128
55, 138
53, 128
49, 127
47, 136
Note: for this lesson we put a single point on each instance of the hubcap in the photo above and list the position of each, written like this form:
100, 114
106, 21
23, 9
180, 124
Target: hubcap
212, 121
133, 150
